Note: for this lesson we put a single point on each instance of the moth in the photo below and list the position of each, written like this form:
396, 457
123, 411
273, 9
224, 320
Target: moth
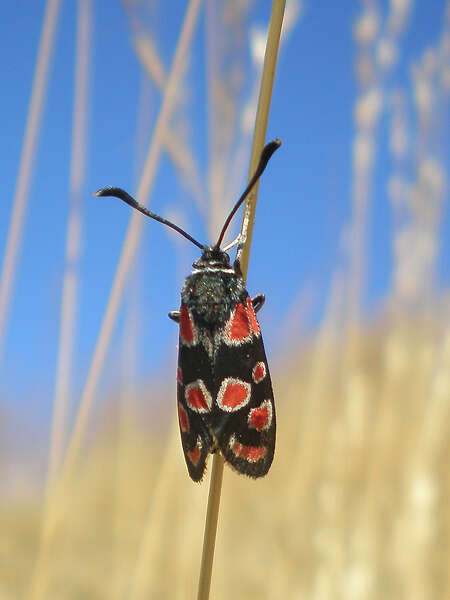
224, 391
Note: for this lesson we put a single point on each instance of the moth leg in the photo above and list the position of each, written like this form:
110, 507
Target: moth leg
243, 235
258, 302
237, 267
232, 244
175, 315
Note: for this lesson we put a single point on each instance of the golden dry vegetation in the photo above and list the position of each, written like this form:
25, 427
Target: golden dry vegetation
356, 505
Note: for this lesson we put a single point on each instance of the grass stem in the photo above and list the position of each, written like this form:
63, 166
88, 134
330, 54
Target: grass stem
212, 516
259, 135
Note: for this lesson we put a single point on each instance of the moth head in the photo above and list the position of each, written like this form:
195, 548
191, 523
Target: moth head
212, 256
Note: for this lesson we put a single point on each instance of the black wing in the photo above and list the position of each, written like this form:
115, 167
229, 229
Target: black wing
194, 394
243, 414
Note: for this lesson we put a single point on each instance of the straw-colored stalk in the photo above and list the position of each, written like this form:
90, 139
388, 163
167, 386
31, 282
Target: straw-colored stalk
128, 254
73, 242
180, 154
23, 183
262, 116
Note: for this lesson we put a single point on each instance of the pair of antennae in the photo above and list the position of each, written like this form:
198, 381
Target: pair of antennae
267, 152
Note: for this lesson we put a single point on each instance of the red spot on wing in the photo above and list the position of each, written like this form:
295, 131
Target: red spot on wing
179, 376
233, 394
260, 418
239, 327
194, 455
187, 331
183, 419
248, 453
252, 317
259, 372
196, 399
197, 396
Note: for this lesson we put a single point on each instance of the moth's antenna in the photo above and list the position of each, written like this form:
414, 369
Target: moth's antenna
123, 195
267, 152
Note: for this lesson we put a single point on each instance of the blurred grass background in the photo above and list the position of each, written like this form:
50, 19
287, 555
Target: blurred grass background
356, 505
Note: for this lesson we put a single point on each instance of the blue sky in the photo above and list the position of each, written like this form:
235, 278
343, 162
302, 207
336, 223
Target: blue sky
304, 202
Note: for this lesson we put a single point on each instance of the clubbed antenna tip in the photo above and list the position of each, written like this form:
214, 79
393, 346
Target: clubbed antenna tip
117, 192
267, 152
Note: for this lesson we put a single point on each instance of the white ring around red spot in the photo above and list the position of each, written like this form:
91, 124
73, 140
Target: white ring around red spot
197, 397
252, 317
238, 329
183, 419
233, 394
259, 372
188, 332
260, 418
251, 454
195, 453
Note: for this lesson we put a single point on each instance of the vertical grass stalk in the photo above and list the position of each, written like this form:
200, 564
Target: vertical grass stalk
57, 502
27, 160
259, 135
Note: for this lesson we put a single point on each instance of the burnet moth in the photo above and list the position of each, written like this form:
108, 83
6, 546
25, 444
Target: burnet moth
224, 392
